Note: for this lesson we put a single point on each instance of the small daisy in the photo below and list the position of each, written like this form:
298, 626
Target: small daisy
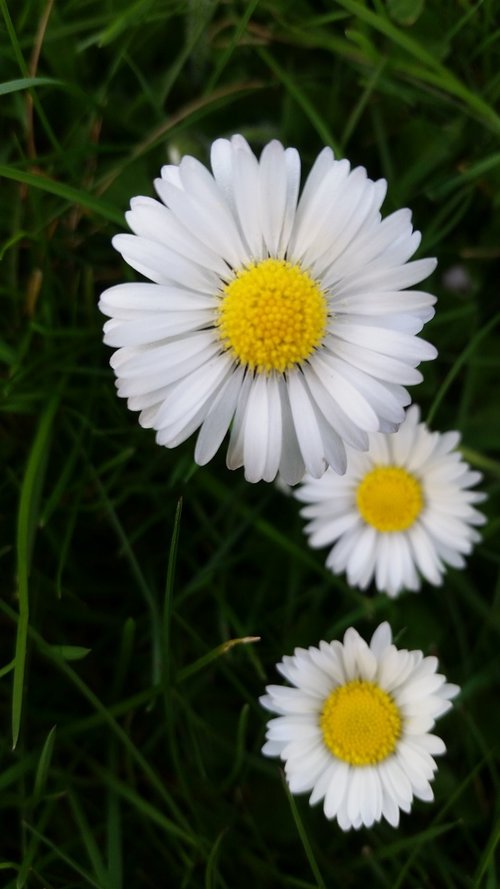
402, 511
355, 727
279, 317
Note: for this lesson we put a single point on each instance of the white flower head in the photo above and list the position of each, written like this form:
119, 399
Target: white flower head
354, 728
283, 318
403, 510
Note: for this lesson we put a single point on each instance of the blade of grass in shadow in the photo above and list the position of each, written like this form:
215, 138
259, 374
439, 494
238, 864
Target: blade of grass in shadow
304, 838
123, 736
137, 573
169, 592
74, 196
198, 19
362, 102
88, 839
239, 749
29, 503
487, 858
11, 31
44, 765
481, 461
302, 100
435, 73
146, 808
16, 773
190, 112
67, 860
24, 83
122, 708
212, 655
212, 876
8, 668
407, 844
458, 364
418, 842
31, 844
48, 652
231, 46
114, 825
222, 493
28, 83
469, 174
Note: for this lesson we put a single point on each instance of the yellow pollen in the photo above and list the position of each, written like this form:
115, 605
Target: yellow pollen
272, 315
389, 498
360, 723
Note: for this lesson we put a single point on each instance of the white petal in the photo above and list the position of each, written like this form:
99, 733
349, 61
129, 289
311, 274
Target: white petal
218, 418
336, 417
141, 299
234, 457
390, 810
292, 161
383, 367
315, 204
289, 700
381, 639
197, 386
388, 342
272, 194
275, 425
147, 330
385, 278
272, 748
151, 220
204, 212
163, 265
256, 430
339, 781
323, 782
306, 427
347, 396
245, 189
292, 466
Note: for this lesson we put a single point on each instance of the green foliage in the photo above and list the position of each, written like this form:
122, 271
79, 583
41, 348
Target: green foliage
132, 689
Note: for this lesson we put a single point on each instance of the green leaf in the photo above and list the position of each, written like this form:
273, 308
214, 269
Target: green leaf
405, 12
169, 593
213, 655
44, 765
71, 652
29, 503
26, 83
74, 196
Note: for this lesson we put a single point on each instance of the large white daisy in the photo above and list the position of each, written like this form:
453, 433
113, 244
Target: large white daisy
278, 316
354, 728
403, 510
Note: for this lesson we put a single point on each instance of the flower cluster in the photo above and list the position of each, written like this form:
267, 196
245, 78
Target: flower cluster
286, 318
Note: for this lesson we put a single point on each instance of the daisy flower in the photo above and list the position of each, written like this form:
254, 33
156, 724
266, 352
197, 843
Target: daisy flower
403, 510
355, 727
279, 317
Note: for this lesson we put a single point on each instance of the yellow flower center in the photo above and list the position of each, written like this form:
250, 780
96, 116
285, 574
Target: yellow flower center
272, 315
389, 498
360, 723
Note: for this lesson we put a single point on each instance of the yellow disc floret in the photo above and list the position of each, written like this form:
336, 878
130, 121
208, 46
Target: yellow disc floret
361, 723
272, 315
389, 498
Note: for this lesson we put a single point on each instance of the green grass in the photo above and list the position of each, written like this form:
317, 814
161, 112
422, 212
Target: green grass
129, 748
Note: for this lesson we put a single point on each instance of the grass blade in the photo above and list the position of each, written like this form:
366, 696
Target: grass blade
304, 839
74, 196
29, 503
